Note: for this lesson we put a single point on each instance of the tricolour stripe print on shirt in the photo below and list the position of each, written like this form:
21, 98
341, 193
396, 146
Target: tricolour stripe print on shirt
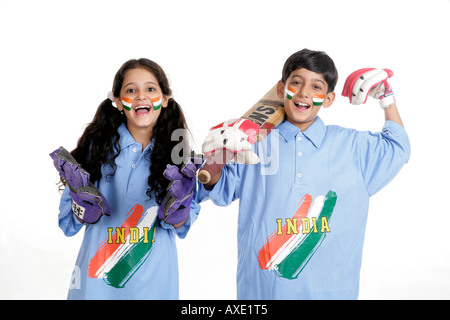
290, 247
121, 254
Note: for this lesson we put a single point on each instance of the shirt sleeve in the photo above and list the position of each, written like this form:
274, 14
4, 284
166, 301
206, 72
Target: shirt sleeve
66, 218
226, 190
382, 155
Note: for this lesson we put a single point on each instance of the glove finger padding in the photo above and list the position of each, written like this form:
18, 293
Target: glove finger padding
172, 173
350, 81
369, 82
190, 169
75, 175
374, 79
175, 210
88, 204
69, 169
235, 136
179, 188
176, 205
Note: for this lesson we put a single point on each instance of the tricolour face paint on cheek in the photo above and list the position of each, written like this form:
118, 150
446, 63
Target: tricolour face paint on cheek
318, 99
157, 102
127, 103
289, 93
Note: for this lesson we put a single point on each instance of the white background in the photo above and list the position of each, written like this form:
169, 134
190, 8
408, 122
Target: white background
57, 63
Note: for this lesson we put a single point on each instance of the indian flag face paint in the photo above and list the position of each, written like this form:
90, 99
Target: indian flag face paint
290, 93
127, 103
157, 102
318, 99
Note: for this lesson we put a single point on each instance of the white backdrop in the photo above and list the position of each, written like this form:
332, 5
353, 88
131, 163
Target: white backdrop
57, 63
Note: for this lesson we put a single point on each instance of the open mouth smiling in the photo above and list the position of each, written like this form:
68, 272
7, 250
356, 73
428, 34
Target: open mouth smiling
302, 107
144, 109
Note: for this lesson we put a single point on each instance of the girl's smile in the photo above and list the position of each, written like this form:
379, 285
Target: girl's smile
142, 110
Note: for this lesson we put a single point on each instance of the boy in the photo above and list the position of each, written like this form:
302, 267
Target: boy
301, 228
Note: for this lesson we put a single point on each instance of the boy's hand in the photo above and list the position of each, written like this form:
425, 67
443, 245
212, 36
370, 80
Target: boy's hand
235, 136
369, 82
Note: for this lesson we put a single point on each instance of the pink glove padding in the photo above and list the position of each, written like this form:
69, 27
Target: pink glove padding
237, 136
369, 82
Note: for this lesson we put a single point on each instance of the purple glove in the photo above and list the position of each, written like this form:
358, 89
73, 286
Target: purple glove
88, 204
176, 205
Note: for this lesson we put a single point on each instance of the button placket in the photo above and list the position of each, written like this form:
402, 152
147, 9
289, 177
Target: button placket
135, 155
134, 158
299, 154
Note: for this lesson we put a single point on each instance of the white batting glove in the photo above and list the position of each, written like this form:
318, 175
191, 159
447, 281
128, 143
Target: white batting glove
237, 136
369, 82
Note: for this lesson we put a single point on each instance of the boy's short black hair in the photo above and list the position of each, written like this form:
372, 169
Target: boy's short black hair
315, 61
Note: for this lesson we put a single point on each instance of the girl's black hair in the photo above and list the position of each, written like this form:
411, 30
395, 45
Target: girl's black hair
99, 143
315, 61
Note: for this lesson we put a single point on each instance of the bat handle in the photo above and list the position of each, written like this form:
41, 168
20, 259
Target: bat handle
214, 165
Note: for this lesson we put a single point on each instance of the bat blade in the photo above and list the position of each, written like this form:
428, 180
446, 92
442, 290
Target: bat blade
267, 113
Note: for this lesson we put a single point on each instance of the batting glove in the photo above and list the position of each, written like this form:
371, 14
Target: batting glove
236, 136
369, 82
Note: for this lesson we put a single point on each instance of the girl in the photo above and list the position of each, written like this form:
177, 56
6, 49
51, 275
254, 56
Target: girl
130, 253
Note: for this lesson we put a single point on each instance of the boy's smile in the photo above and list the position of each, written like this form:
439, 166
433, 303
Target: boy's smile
304, 93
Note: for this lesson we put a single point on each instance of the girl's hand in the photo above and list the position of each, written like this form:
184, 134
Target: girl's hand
88, 204
176, 205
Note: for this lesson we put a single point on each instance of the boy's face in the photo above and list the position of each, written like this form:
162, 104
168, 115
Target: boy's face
305, 92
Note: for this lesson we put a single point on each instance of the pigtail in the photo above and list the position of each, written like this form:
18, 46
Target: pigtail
99, 143
170, 147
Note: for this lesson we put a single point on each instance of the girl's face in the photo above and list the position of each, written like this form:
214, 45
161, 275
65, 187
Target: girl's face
141, 99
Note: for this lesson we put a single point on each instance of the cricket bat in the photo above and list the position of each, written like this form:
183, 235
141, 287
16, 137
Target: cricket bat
267, 113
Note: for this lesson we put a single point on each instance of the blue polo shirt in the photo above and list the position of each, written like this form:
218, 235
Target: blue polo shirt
129, 254
303, 208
